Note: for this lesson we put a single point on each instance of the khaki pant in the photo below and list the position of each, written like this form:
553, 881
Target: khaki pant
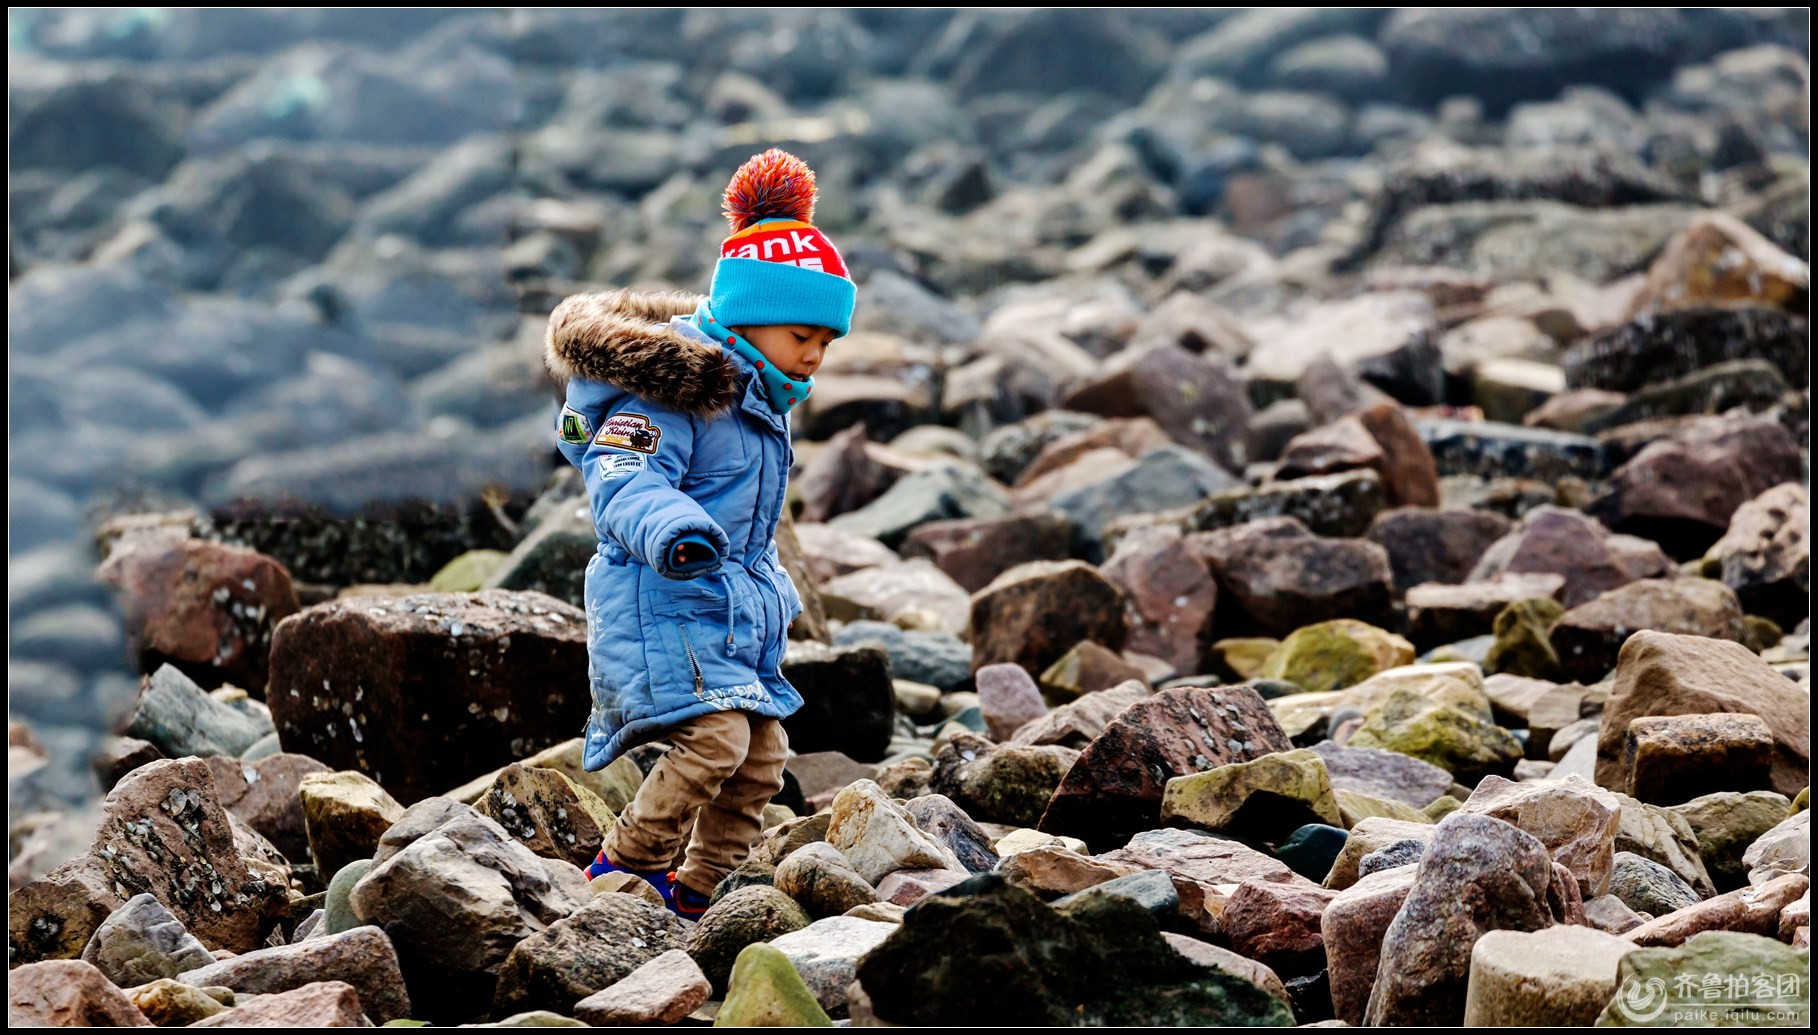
724, 768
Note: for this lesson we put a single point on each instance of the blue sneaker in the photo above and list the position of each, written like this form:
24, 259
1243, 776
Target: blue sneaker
686, 902
663, 881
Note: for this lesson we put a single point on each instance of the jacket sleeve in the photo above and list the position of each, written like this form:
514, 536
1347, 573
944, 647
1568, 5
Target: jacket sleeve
633, 462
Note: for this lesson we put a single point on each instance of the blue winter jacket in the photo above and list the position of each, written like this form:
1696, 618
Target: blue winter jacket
673, 438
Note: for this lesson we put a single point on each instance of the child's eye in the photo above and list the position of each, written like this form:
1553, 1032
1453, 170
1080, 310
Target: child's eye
801, 337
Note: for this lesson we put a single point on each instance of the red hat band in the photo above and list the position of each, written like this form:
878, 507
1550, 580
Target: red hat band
787, 241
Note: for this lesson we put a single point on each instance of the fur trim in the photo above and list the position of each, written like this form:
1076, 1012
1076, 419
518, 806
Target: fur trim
618, 337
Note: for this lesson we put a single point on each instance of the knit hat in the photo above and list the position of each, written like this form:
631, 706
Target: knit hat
776, 268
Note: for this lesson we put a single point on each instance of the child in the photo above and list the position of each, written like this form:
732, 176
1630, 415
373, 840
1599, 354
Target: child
677, 414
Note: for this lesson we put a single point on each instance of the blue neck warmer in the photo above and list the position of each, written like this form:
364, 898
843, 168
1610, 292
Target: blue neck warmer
782, 392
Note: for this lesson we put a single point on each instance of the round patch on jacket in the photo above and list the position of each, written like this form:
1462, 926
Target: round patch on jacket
632, 431
574, 426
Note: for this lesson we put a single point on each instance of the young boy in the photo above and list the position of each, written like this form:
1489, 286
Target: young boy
677, 414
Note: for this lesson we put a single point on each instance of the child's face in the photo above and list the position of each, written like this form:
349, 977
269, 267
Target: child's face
795, 349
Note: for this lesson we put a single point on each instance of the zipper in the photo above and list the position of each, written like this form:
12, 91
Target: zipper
699, 684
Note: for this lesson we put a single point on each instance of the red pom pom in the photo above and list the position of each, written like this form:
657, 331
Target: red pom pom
775, 183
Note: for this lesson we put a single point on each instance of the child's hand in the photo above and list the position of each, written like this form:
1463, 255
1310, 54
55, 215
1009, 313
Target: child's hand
692, 553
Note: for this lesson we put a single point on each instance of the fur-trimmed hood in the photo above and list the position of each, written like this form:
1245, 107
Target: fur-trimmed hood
622, 338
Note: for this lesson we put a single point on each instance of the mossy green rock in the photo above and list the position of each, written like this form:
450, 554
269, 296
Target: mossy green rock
169, 1003
468, 572
745, 917
1465, 746
337, 911
1442, 807
1244, 657
1725, 824
1653, 992
1524, 646
1336, 654
752, 873
1354, 807
1266, 798
766, 992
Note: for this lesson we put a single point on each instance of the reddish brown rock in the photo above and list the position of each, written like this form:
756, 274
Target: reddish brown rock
1410, 478
1052, 871
267, 796
1669, 760
1078, 723
1343, 445
1588, 637
1352, 929
1575, 410
842, 477
67, 994
907, 887
324, 1004
1197, 400
831, 552
1766, 556
1667, 674
1203, 867
207, 608
1087, 668
1439, 614
1169, 596
1573, 818
663, 991
1428, 545
1133, 438
1752, 910
1331, 391
1008, 698
422, 692
362, 957
118, 756
1084, 469
1036, 612
1278, 925
1115, 788
1682, 492
164, 832
973, 551
1274, 576
1479, 874
55, 916
1566, 542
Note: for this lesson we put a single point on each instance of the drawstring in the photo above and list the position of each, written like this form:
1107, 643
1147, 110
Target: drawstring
731, 644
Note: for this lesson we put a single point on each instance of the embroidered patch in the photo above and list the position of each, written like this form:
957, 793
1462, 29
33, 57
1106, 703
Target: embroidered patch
574, 426
629, 431
620, 465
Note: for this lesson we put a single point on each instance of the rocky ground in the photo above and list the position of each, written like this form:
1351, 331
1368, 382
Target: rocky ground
1312, 524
